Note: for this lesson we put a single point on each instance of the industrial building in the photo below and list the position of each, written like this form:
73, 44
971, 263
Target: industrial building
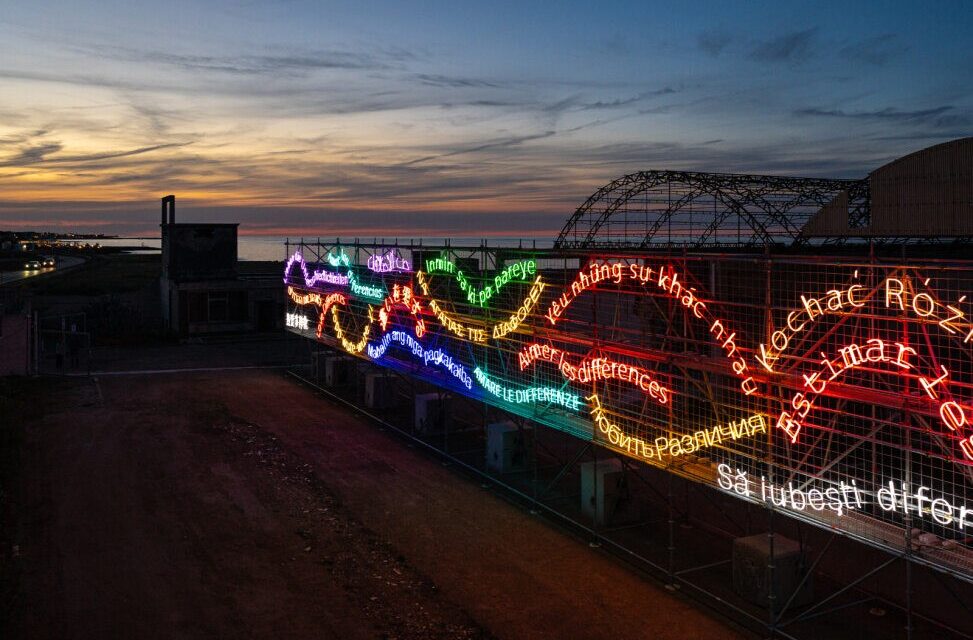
205, 289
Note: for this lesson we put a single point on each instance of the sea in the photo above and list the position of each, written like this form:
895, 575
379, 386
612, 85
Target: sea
275, 248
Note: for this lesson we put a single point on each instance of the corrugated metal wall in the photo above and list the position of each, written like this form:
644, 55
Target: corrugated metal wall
927, 193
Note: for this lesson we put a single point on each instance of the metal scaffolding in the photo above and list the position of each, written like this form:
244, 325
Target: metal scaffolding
725, 349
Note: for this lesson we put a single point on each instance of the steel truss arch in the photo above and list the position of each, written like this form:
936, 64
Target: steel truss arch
697, 210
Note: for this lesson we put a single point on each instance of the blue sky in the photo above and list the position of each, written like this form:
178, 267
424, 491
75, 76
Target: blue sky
442, 118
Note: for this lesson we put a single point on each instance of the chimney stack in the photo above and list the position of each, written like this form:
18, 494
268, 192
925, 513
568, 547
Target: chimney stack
169, 205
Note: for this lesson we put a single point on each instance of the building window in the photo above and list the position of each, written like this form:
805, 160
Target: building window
218, 306
238, 306
197, 306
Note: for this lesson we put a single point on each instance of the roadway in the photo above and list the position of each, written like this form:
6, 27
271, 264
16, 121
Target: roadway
63, 262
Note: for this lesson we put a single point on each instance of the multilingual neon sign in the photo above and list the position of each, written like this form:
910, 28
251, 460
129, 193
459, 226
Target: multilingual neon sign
428, 357
320, 275
297, 321
899, 295
516, 319
402, 296
594, 369
339, 259
516, 272
712, 437
666, 279
325, 302
632, 445
849, 357
369, 292
349, 346
388, 262
677, 445
302, 297
528, 395
843, 497
465, 331
820, 355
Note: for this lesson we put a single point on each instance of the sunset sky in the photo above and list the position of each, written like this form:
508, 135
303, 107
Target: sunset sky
439, 118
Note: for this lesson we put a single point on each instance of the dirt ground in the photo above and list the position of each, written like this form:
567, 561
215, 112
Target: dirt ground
221, 504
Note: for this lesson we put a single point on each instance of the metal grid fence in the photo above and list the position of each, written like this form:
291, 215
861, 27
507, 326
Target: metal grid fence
836, 390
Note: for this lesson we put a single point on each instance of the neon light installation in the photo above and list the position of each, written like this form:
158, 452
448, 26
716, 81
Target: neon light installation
616, 272
604, 369
315, 298
536, 351
851, 356
310, 279
502, 329
466, 332
584, 281
368, 292
437, 357
440, 264
897, 295
874, 350
633, 445
712, 437
388, 262
677, 445
402, 296
833, 301
847, 497
297, 321
328, 277
340, 259
594, 369
331, 300
667, 279
529, 394
841, 499
339, 332
303, 298
518, 271
298, 258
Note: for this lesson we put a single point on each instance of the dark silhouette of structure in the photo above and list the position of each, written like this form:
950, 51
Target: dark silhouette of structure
924, 197
203, 286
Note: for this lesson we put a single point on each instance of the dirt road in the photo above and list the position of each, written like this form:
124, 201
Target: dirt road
239, 504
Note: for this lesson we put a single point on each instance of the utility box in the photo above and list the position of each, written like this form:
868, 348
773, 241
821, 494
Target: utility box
752, 575
335, 371
507, 447
322, 362
431, 412
379, 391
604, 492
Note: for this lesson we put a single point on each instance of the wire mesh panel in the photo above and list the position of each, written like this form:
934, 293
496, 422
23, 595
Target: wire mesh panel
838, 390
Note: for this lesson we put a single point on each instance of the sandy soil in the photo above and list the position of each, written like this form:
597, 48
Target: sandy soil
239, 504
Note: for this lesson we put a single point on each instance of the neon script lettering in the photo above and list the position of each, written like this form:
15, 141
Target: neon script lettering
388, 262
437, 357
297, 321
528, 395
502, 329
311, 279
